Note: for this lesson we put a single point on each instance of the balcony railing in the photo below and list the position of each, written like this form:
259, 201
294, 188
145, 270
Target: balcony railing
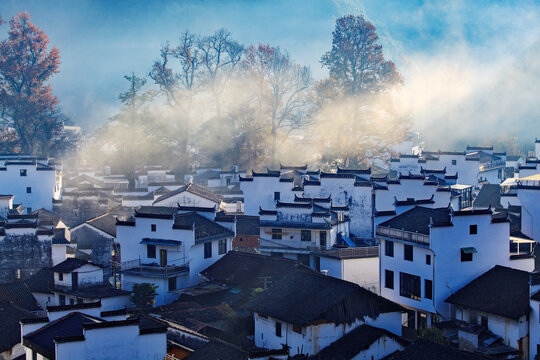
347, 253
403, 235
492, 165
135, 267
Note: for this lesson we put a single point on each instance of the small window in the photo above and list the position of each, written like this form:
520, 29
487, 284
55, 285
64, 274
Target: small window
28, 190
62, 299
408, 252
60, 277
484, 321
466, 256
428, 259
151, 251
388, 279
276, 234
23, 172
153, 227
428, 289
29, 210
305, 235
473, 229
71, 301
222, 246
389, 248
409, 286
454, 162
322, 239
277, 195
207, 250
172, 283
278, 329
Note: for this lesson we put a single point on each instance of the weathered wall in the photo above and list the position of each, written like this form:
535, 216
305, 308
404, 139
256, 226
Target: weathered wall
24, 252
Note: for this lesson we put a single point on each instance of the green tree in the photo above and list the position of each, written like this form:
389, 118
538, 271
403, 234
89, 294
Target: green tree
143, 295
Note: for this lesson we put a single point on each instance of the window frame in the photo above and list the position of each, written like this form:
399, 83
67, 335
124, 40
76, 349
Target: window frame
277, 234
406, 247
149, 252
387, 275
466, 257
305, 235
279, 332
171, 280
428, 259
322, 238
430, 287
410, 286
28, 189
60, 276
153, 227
222, 246
389, 248
473, 229
208, 250
23, 172
277, 196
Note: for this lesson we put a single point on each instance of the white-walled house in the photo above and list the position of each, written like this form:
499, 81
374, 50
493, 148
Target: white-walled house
78, 335
77, 281
189, 195
528, 190
307, 312
499, 301
428, 254
32, 181
158, 245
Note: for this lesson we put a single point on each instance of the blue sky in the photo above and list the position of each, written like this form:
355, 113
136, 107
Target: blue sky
100, 41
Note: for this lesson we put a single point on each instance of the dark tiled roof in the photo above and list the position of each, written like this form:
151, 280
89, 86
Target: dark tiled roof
418, 219
41, 282
338, 301
194, 189
43, 339
285, 167
160, 212
10, 330
502, 291
204, 228
217, 349
296, 225
513, 157
413, 201
354, 171
489, 195
105, 223
19, 294
267, 212
427, 350
196, 208
348, 346
71, 264
247, 225
250, 270
94, 292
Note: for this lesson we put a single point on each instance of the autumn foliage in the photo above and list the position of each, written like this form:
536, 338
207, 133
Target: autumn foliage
28, 108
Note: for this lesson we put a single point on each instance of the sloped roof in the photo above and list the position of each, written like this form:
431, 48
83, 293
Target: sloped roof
218, 349
105, 223
489, 195
349, 345
41, 282
10, 331
502, 291
71, 264
18, 293
247, 225
338, 301
251, 270
426, 350
418, 219
204, 228
194, 189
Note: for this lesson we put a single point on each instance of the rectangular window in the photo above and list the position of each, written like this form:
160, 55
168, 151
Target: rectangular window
29, 210
466, 256
62, 299
151, 251
276, 234
428, 259
428, 289
408, 252
409, 286
389, 248
172, 283
71, 301
28, 190
317, 263
388, 279
207, 250
222, 246
454, 162
153, 227
278, 329
322, 239
305, 235
23, 172
473, 229
60, 277
277, 196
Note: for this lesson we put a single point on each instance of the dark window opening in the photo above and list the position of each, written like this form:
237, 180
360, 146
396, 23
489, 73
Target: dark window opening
317, 263
222, 246
60, 276
153, 227
172, 283
473, 229
305, 235
277, 196
207, 250
389, 248
276, 234
408, 252
29, 190
151, 251
409, 286
428, 289
71, 301
322, 240
428, 259
454, 162
62, 299
388, 279
278, 329
484, 321
466, 256
23, 172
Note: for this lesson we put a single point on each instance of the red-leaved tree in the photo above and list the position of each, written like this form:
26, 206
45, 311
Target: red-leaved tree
27, 105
